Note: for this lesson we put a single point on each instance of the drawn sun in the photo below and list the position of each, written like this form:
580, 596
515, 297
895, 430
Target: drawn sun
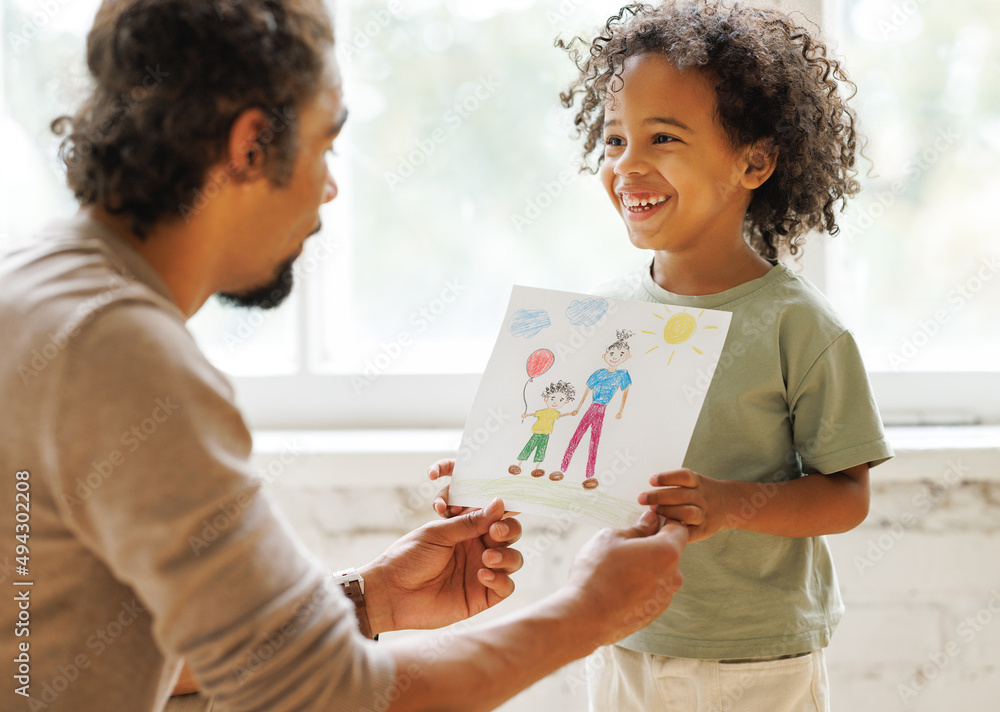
679, 328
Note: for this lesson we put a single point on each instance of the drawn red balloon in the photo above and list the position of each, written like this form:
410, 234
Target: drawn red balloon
540, 362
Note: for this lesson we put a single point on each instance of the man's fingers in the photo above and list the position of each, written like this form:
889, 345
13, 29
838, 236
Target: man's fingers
503, 533
648, 524
498, 582
468, 525
687, 514
675, 532
507, 560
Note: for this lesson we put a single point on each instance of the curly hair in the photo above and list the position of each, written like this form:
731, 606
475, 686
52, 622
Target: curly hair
623, 335
776, 88
170, 78
560, 387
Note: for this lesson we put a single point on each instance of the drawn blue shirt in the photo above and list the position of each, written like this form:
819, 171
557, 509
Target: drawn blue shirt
605, 384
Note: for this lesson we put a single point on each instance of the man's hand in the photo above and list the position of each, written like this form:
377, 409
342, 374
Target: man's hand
624, 578
700, 503
443, 572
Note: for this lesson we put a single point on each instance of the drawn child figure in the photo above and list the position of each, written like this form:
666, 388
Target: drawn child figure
555, 396
722, 135
604, 383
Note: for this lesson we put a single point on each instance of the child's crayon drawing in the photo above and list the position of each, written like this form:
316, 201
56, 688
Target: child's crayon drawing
584, 343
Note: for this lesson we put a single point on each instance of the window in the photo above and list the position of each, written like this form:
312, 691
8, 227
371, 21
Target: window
458, 177
915, 270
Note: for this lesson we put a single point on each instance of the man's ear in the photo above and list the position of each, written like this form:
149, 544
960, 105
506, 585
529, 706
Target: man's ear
760, 160
246, 151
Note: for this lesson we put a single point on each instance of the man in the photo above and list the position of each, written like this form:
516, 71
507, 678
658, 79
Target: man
199, 163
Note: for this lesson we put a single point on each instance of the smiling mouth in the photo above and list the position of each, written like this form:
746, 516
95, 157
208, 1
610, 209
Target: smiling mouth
640, 204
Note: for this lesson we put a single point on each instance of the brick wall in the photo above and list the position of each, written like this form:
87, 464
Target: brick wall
920, 578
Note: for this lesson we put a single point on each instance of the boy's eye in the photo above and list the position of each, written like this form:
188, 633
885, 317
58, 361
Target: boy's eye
663, 138
614, 141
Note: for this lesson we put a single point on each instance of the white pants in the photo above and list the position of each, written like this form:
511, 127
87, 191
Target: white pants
620, 680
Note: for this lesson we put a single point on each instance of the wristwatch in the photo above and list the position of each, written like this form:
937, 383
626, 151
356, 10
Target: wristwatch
353, 586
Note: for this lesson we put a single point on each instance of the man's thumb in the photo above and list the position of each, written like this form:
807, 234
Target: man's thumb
471, 524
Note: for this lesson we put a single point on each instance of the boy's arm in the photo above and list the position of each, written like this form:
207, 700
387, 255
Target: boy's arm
808, 506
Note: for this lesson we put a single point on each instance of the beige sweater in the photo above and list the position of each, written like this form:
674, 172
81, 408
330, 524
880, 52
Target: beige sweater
149, 541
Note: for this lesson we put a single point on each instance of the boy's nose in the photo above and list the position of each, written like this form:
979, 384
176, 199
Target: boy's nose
630, 162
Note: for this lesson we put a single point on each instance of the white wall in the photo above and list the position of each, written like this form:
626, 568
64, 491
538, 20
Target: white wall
921, 577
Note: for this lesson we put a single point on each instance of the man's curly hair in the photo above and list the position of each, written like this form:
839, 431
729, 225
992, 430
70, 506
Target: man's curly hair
776, 89
170, 77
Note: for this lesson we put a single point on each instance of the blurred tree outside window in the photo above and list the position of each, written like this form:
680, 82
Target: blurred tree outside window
459, 176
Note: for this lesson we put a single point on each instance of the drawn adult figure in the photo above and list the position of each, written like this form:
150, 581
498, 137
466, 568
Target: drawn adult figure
604, 383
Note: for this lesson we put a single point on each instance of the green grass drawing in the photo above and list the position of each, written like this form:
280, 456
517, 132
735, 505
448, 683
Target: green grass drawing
565, 495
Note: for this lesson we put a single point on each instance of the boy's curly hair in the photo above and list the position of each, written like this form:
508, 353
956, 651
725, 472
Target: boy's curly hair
775, 83
170, 77
560, 387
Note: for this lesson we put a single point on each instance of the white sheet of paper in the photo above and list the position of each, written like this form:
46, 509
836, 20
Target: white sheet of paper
551, 336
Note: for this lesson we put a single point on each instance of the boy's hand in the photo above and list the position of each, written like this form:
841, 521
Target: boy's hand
700, 503
444, 468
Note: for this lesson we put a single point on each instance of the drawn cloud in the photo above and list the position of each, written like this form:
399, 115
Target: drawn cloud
528, 322
586, 312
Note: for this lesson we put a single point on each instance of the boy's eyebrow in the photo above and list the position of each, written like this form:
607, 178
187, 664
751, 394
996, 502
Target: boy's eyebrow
669, 121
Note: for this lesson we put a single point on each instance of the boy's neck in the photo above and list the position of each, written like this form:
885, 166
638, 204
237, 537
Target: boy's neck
697, 274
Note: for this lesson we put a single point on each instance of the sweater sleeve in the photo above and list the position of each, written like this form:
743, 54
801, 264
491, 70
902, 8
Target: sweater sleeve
179, 518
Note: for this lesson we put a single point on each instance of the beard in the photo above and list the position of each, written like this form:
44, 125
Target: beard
267, 296
272, 294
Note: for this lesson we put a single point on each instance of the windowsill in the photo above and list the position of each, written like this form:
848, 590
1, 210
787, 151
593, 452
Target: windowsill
399, 458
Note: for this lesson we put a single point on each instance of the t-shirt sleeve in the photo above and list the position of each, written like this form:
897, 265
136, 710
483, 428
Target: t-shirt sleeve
594, 380
626, 380
181, 520
835, 421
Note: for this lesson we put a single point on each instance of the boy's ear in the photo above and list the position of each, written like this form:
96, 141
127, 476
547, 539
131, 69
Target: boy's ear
760, 160
246, 154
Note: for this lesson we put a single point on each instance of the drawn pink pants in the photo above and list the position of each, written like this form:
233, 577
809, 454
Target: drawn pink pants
593, 419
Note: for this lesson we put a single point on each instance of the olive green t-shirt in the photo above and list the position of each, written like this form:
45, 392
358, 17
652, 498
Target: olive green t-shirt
790, 396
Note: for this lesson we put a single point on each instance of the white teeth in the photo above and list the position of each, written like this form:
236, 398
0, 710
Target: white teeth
631, 202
